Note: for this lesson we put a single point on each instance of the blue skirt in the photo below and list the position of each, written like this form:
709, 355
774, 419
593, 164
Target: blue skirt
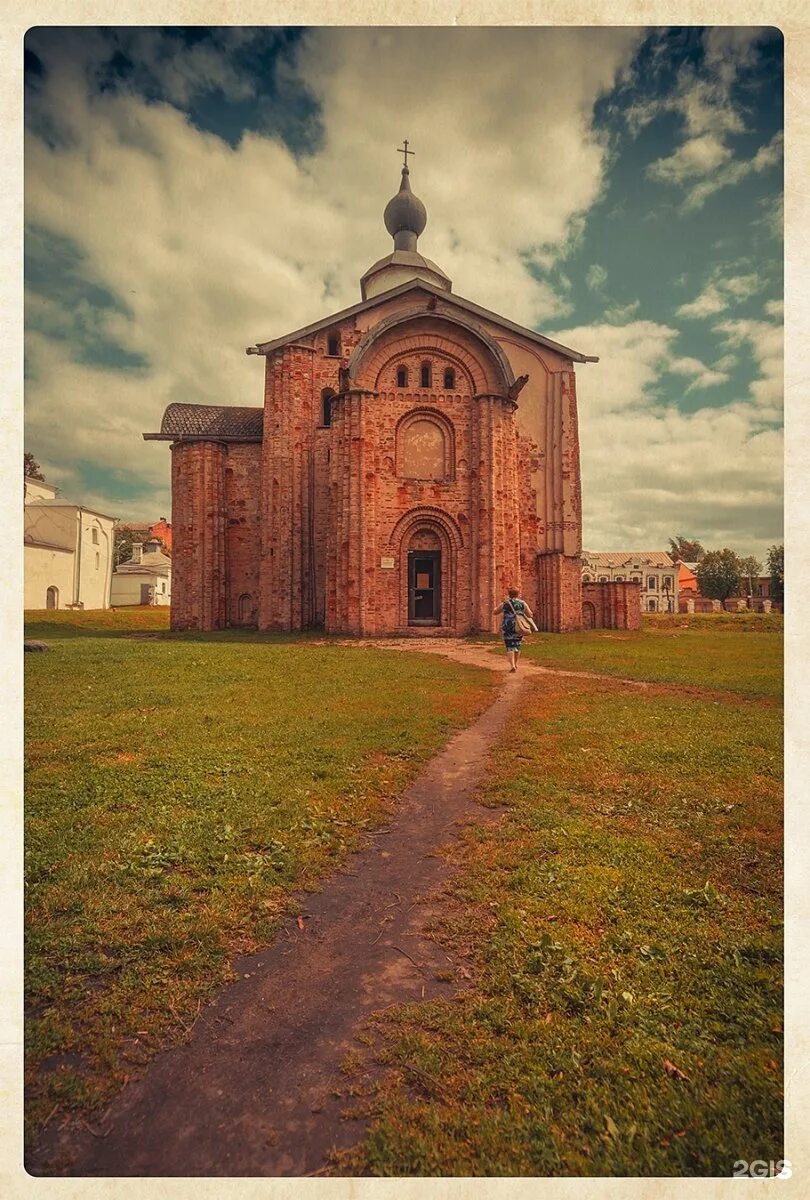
512, 636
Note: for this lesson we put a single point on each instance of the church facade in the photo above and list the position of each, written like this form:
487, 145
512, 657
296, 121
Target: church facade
414, 456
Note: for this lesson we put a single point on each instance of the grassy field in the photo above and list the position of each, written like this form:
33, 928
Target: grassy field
618, 936
698, 651
177, 791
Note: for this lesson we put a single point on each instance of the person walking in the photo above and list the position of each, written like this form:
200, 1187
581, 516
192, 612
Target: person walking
512, 633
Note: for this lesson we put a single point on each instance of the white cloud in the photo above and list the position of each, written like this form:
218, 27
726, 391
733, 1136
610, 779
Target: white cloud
765, 341
650, 469
703, 100
706, 304
720, 293
595, 277
213, 248
695, 157
703, 376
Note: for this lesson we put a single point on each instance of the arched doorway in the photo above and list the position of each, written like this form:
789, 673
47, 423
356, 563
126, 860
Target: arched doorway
424, 578
588, 615
52, 598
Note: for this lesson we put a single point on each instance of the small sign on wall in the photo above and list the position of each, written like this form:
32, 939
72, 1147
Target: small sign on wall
388, 564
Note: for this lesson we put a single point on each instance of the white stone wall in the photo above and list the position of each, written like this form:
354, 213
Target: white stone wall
658, 598
78, 546
126, 588
47, 568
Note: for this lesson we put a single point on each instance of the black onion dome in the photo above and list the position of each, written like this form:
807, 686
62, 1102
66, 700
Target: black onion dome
405, 212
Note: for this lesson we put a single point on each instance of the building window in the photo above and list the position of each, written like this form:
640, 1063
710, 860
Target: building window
668, 581
97, 562
449, 379
95, 536
327, 396
425, 375
635, 579
603, 578
586, 579
652, 583
333, 344
402, 377
651, 605
163, 588
52, 598
620, 578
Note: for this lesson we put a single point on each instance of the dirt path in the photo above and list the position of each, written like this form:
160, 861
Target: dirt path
251, 1094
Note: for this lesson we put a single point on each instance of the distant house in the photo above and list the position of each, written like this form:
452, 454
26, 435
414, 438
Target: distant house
145, 578
68, 551
653, 569
161, 529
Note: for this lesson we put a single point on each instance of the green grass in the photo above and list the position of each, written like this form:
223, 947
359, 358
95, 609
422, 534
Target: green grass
697, 651
620, 925
177, 792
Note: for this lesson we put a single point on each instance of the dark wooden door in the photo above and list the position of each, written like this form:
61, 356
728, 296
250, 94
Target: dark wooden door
424, 587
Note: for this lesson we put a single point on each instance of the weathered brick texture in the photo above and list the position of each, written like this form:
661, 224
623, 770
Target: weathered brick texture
313, 525
612, 605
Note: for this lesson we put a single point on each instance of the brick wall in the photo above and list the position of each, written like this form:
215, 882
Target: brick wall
302, 530
614, 605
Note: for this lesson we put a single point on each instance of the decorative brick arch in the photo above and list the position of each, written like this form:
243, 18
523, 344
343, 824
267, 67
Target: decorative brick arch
386, 378
428, 518
448, 433
445, 334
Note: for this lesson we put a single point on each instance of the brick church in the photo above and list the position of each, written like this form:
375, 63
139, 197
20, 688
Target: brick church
414, 455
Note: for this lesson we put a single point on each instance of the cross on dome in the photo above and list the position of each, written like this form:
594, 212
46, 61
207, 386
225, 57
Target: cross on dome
404, 150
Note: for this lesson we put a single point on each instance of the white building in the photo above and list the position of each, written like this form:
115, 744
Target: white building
68, 551
653, 569
146, 578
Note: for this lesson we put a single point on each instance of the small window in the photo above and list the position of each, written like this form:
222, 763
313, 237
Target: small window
333, 344
97, 562
402, 377
95, 536
425, 375
52, 598
603, 578
651, 605
163, 588
652, 583
635, 579
449, 379
668, 581
327, 396
586, 579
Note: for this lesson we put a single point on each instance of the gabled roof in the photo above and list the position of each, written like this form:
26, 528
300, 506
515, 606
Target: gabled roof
446, 297
67, 504
626, 558
221, 422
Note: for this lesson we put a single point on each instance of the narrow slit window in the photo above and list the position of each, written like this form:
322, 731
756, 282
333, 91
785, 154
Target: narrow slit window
402, 377
449, 379
327, 396
333, 344
425, 375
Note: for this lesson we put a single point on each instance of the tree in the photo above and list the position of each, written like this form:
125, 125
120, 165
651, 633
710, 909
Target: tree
31, 467
776, 566
686, 549
750, 570
122, 546
719, 574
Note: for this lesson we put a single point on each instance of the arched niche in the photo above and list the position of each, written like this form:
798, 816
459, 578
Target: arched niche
425, 446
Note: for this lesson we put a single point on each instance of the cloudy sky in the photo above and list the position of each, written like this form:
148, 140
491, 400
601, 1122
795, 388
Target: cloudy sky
191, 192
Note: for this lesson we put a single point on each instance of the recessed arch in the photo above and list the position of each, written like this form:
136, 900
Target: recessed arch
487, 363
425, 446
